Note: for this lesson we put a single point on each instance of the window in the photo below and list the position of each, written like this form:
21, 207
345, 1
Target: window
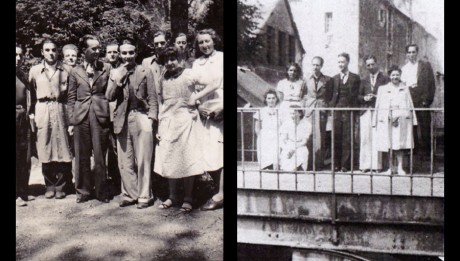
291, 49
409, 33
327, 22
270, 37
382, 16
281, 48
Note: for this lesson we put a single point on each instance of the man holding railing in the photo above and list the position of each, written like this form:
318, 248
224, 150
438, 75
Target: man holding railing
419, 77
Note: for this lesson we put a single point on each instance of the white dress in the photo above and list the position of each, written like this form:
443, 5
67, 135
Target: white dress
292, 95
267, 140
210, 70
295, 134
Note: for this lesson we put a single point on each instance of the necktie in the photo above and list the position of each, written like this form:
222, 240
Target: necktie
90, 70
343, 78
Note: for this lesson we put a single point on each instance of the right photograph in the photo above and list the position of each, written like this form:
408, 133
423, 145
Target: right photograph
340, 130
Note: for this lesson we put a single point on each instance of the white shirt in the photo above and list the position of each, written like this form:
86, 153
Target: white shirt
344, 77
409, 73
373, 79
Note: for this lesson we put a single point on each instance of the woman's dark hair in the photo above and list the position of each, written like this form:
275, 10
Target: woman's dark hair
271, 92
394, 68
169, 53
298, 108
298, 71
215, 38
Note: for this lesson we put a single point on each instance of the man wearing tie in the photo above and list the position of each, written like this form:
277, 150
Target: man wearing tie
419, 77
369, 157
344, 95
90, 118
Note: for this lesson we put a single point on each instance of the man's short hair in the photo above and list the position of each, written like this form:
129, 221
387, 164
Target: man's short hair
180, 35
84, 41
158, 33
113, 43
47, 40
368, 57
345, 55
69, 47
128, 41
321, 60
411, 45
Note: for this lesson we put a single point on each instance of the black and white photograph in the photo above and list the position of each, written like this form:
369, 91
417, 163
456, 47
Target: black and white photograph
340, 140
119, 130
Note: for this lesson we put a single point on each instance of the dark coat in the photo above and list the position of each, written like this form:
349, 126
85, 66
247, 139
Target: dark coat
352, 84
365, 88
82, 96
423, 94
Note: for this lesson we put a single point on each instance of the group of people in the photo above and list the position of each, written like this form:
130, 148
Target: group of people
114, 117
292, 130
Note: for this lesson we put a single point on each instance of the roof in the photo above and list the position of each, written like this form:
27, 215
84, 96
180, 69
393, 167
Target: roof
251, 87
265, 8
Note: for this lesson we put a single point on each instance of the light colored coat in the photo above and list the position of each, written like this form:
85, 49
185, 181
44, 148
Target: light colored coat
399, 100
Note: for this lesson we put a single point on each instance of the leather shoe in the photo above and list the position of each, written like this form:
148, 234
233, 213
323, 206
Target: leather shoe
60, 195
126, 203
49, 194
211, 205
142, 205
82, 198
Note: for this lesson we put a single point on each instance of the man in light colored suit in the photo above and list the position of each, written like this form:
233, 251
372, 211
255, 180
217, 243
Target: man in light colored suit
135, 117
419, 77
319, 91
90, 118
152, 62
369, 157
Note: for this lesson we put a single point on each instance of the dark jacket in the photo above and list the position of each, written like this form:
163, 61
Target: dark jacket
352, 85
365, 88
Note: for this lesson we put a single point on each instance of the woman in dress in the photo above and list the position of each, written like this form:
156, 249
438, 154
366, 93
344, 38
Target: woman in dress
209, 68
179, 150
290, 90
266, 128
294, 134
394, 118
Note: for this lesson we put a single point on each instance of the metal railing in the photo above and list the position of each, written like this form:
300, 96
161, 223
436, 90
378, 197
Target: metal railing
426, 181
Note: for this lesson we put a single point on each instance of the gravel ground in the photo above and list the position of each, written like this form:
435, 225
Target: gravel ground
50, 229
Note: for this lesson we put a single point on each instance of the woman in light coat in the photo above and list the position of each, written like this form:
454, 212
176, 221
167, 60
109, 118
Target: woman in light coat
394, 118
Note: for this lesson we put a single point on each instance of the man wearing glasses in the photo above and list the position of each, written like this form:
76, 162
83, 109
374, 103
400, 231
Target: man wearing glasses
419, 77
132, 87
90, 118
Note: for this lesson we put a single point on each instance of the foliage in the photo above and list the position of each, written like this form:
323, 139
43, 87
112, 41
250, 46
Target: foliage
248, 43
206, 14
66, 21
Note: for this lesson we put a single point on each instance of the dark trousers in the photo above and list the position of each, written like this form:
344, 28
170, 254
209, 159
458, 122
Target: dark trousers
91, 137
112, 162
342, 139
23, 154
422, 134
55, 174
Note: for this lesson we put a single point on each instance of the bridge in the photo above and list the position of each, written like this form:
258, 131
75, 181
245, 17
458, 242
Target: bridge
327, 213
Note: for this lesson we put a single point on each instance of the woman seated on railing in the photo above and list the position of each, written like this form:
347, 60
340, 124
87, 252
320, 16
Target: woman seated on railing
266, 128
394, 119
294, 134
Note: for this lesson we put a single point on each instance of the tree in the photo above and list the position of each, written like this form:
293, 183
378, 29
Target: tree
248, 43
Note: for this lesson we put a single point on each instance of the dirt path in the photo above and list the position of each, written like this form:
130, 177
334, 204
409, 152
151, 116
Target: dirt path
50, 229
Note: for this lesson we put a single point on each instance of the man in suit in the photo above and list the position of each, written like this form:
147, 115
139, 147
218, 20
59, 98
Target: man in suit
319, 91
369, 157
419, 77
90, 118
135, 117
112, 56
344, 95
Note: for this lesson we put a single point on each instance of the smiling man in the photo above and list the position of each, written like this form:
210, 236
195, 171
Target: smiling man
89, 117
135, 117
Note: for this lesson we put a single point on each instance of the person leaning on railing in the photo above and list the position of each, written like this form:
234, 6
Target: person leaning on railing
294, 134
266, 128
394, 119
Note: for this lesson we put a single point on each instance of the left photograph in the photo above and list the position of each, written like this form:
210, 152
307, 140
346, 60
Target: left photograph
119, 130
